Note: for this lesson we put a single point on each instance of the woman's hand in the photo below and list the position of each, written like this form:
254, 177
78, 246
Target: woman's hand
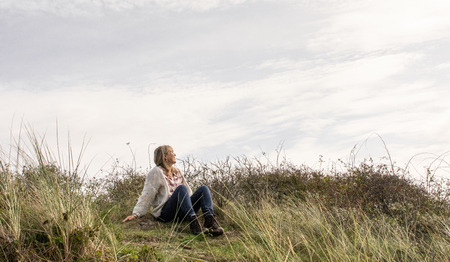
128, 218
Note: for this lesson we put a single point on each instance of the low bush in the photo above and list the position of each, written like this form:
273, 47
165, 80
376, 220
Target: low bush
372, 188
120, 190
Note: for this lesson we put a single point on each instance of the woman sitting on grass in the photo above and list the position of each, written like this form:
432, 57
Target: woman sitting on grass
166, 190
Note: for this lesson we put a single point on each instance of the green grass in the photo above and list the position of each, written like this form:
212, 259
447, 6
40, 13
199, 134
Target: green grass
281, 212
173, 242
295, 231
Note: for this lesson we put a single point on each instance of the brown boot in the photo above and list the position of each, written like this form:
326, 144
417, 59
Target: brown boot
194, 225
212, 227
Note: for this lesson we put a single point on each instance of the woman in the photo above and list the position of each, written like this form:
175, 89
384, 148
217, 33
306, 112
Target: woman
166, 190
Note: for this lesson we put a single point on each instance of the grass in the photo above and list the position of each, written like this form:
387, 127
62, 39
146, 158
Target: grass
308, 232
270, 212
46, 214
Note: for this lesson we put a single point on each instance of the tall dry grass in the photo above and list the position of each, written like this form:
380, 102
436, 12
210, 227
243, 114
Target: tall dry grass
309, 231
46, 213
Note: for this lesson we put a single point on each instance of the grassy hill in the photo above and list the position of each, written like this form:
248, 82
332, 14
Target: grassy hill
270, 212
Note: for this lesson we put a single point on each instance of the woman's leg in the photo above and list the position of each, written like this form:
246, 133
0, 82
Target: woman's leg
179, 205
202, 199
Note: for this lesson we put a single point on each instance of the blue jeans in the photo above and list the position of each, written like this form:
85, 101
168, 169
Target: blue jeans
180, 205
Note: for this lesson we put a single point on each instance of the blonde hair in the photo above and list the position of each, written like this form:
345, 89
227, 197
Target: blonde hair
158, 158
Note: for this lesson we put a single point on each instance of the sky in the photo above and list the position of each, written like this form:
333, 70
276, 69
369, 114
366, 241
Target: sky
318, 80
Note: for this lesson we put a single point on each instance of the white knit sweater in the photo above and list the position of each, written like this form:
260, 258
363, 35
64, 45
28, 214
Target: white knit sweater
155, 193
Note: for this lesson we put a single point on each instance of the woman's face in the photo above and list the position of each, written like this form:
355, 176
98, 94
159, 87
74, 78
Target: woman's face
169, 157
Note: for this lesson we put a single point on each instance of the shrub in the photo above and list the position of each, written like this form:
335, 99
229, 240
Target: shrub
120, 190
371, 188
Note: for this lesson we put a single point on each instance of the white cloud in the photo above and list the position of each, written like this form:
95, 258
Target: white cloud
379, 25
113, 117
100, 7
320, 110
336, 89
443, 66
331, 107
197, 5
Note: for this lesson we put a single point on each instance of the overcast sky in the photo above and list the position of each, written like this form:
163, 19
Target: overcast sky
217, 78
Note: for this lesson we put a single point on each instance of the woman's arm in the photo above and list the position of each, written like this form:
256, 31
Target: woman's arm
128, 218
151, 186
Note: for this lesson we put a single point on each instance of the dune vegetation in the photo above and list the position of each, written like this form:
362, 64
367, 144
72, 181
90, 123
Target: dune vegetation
51, 211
